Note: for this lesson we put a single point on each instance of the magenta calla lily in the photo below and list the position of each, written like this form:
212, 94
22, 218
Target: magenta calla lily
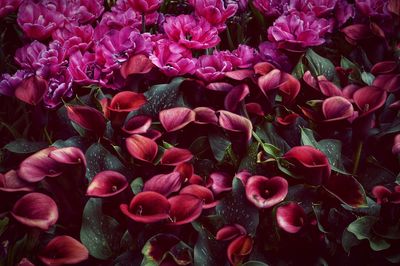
63, 250
185, 170
31, 90
205, 115
266, 192
239, 248
235, 123
310, 163
185, 208
202, 193
176, 118
291, 217
123, 103
68, 155
175, 156
142, 208
221, 182
235, 96
230, 232
136, 64
39, 165
87, 117
137, 125
107, 184
337, 108
10, 182
165, 184
142, 148
36, 210
384, 195
369, 99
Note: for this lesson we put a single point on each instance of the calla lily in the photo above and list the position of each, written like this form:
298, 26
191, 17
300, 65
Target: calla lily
10, 182
287, 120
36, 210
221, 182
230, 232
136, 64
337, 108
290, 88
88, 118
175, 156
106, 184
185, 170
176, 118
384, 67
235, 96
244, 176
239, 248
31, 90
123, 103
63, 250
68, 155
356, 32
327, 88
202, 193
165, 184
369, 99
255, 108
384, 195
235, 123
39, 165
396, 144
185, 208
205, 115
310, 163
266, 192
270, 81
137, 125
290, 217
143, 209
142, 148
387, 82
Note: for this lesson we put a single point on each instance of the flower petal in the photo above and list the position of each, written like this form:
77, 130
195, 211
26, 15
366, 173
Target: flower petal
184, 209
264, 192
87, 117
165, 184
202, 193
136, 64
106, 184
337, 108
205, 115
176, 118
142, 148
235, 96
235, 123
137, 125
175, 156
239, 248
68, 155
290, 217
10, 182
31, 90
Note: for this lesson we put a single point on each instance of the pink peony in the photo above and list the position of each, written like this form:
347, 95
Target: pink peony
144, 6
272, 8
214, 11
8, 6
74, 37
211, 68
191, 32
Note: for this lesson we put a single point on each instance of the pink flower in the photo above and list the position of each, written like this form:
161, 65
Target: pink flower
266, 192
191, 32
8, 6
291, 217
212, 67
58, 87
248, 56
84, 11
74, 37
272, 8
84, 69
215, 12
170, 61
298, 30
37, 21
144, 6
9, 83
28, 56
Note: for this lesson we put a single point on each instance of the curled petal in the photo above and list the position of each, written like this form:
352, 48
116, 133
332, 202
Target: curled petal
396, 145
144, 210
38, 166
68, 155
88, 118
175, 156
387, 82
205, 115
25, 262
310, 80
356, 32
164, 184
137, 64
337, 108
220, 182
106, 184
329, 89
384, 67
290, 88
263, 68
152, 134
264, 192
240, 74
230, 232
176, 118
185, 208
369, 99
142, 148
10, 182
219, 86
239, 248
290, 217
235, 96
126, 101
36, 210
63, 250
31, 90
235, 123
288, 120
137, 125
202, 193
270, 81
185, 170
255, 108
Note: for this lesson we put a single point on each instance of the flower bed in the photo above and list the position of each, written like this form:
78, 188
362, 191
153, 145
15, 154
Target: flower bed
199, 132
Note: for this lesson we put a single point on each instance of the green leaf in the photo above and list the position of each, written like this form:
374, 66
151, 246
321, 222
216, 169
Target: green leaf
355, 75
160, 97
320, 65
75, 141
349, 240
219, 144
24, 146
101, 234
99, 159
199, 146
268, 135
299, 69
368, 78
235, 208
249, 161
137, 185
362, 229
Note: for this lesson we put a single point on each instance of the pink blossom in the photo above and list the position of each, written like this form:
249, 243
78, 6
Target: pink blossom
58, 87
8, 6
8, 83
212, 67
248, 56
144, 6
74, 37
272, 8
191, 32
214, 11
28, 56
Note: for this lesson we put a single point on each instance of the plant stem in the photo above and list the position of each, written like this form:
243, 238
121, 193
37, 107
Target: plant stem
357, 157
143, 23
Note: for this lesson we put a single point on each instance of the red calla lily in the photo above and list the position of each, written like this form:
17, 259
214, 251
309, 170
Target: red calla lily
235, 123
63, 250
10, 182
353, 195
396, 144
39, 165
205, 115
369, 99
266, 192
230, 232
384, 195
310, 163
290, 217
202, 193
31, 90
220, 182
142, 148
136, 64
287, 120
240, 74
137, 125
235, 96
327, 88
337, 108
356, 32
88, 118
290, 88
176, 118
68, 155
239, 248
255, 108
185, 170
143, 209
36, 210
384, 67
106, 184
123, 103
185, 208
174, 156
165, 184
272, 80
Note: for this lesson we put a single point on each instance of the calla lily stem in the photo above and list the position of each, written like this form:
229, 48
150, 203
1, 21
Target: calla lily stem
357, 157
